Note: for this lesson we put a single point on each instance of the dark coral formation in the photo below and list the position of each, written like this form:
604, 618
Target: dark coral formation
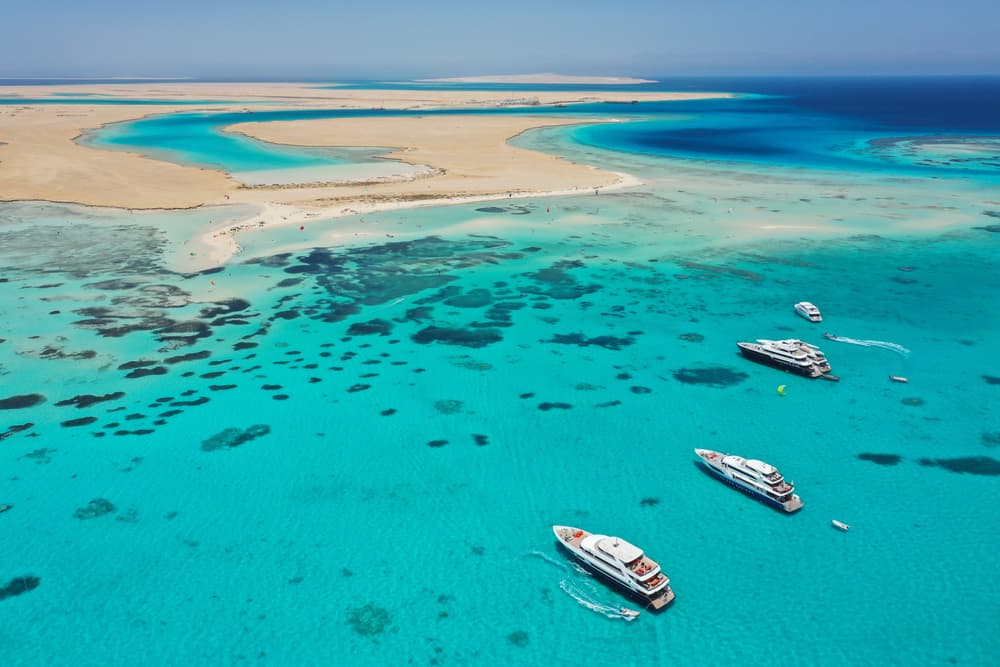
371, 327
974, 465
95, 508
191, 356
692, 337
518, 638
234, 437
881, 459
464, 337
448, 406
546, 406
86, 400
16, 428
437, 443
18, 586
711, 376
580, 340
81, 421
649, 502
991, 379
22, 401
143, 372
369, 620
913, 401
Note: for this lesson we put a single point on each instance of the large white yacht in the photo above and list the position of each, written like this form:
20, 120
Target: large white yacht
790, 355
754, 478
619, 562
808, 311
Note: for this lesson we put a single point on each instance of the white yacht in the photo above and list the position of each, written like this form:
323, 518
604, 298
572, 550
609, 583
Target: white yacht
789, 355
619, 562
808, 311
754, 478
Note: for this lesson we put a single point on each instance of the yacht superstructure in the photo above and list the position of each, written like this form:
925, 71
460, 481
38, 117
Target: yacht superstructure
808, 311
620, 562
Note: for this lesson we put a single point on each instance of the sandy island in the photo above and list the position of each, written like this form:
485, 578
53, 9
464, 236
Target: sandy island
466, 158
543, 79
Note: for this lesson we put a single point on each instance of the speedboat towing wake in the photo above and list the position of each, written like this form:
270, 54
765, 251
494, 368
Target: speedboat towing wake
885, 345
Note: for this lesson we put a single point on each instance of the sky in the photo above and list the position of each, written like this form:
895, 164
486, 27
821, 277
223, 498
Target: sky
363, 39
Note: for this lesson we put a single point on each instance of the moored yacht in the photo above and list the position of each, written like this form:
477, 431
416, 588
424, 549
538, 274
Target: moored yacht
620, 562
789, 355
808, 311
754, 478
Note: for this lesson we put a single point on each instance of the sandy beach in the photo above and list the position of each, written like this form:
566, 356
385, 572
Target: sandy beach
40, 158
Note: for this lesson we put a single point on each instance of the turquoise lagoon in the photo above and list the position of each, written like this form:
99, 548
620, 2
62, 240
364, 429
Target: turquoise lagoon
353, 454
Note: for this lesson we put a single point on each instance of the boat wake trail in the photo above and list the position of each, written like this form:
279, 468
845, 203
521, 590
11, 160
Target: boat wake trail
885, 345
587, 597
548, 559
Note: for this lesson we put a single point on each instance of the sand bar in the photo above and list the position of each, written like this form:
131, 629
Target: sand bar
543, 79
40, 159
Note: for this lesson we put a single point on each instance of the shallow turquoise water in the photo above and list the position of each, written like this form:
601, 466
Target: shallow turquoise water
544, 341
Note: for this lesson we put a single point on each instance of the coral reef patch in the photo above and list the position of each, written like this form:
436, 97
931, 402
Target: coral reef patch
234, 437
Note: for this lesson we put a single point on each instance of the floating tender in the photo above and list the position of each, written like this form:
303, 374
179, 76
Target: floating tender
898, 378
808, 311
791, 355
620, 563
840, 525
755, 478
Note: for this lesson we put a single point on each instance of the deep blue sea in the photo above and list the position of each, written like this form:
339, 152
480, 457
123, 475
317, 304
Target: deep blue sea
352, 452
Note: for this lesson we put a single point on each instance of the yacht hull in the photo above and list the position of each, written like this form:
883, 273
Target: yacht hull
753, 493
767, 360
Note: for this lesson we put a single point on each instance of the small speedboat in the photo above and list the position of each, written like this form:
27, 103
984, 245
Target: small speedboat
840, 525
898, 378
628, 613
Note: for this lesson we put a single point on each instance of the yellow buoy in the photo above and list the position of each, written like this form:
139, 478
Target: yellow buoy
781, 390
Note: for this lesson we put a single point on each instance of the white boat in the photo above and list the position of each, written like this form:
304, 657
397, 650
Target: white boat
840, 525
808, 311
791, 355
628, 613
755, 478
898, 378
620, 563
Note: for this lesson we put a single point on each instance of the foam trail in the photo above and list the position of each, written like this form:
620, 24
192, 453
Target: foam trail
885, 345
548, 559
587, 599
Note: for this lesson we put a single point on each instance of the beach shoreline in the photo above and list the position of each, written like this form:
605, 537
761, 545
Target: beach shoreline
42, 159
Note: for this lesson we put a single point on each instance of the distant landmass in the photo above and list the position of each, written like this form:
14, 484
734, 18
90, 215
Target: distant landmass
541, 78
